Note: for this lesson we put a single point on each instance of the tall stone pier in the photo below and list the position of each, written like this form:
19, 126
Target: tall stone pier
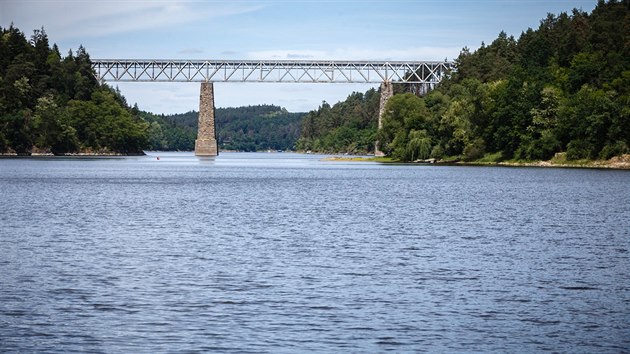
206, 143
387, 91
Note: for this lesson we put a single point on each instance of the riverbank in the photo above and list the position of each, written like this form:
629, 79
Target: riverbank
78, 154
37, 152
618, 162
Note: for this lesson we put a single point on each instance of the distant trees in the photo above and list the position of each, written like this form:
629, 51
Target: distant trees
348, 126
251, 128
256, 128
54, 104
174, 133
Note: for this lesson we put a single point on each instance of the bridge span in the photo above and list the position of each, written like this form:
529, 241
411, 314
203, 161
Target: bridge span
427, 74
290, 71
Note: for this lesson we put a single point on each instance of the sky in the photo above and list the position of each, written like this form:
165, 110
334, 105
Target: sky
275, 29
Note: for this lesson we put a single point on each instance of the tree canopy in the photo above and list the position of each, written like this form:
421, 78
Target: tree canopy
50, 103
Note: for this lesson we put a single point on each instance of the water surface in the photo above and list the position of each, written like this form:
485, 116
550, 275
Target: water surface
286, 253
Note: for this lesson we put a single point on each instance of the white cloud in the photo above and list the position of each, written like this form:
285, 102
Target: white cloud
191, 51
71, 19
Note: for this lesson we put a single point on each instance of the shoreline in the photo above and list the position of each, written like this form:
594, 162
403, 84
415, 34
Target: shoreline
77, 155
615, 163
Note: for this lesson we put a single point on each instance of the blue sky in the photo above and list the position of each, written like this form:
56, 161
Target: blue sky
280, 29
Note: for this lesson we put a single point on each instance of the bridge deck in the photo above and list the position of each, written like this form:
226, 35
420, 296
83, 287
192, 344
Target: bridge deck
420, 72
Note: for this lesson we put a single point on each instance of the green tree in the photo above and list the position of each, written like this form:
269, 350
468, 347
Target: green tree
541, 142
52, 128
20, 131
419, 145
404, 113
157, 139
587, 118
348, 126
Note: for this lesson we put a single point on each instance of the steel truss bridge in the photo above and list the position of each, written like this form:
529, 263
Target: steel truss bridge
426, 73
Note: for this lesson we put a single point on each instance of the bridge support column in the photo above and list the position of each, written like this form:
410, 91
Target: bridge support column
206, 143
387, 91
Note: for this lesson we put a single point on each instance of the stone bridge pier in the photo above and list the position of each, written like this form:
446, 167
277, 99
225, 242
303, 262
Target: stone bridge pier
387, 91
206, 143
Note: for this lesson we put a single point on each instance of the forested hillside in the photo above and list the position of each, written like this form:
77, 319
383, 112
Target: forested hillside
256, 128
251, 128
564, 87
51, 103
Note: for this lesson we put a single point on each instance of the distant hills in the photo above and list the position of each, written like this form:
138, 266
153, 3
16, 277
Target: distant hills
250, 128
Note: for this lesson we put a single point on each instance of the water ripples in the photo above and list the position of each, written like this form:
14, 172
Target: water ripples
255, 253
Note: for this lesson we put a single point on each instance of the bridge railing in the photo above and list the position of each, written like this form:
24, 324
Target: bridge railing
418, 72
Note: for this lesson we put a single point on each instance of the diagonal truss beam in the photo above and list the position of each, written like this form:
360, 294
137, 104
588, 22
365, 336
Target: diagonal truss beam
414, 72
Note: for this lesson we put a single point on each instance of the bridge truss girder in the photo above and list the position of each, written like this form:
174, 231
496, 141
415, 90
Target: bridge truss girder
416, 72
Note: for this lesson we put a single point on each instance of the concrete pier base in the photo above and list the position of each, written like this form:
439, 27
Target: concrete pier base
206, 147
387, 91
206, 143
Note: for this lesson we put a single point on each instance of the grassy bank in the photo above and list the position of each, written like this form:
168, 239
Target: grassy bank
559, 160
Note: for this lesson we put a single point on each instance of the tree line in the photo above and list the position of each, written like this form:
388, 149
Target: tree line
257, 128
52, 103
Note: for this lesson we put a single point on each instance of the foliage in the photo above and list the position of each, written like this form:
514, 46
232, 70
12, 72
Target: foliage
349, 126
169, 133
562, 87
53, 103
256, 128
404, 134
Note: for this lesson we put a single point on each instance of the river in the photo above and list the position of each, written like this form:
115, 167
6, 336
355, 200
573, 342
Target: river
279, 252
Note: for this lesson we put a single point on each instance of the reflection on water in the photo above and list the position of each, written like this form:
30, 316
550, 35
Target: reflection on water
284, 252
206, 160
